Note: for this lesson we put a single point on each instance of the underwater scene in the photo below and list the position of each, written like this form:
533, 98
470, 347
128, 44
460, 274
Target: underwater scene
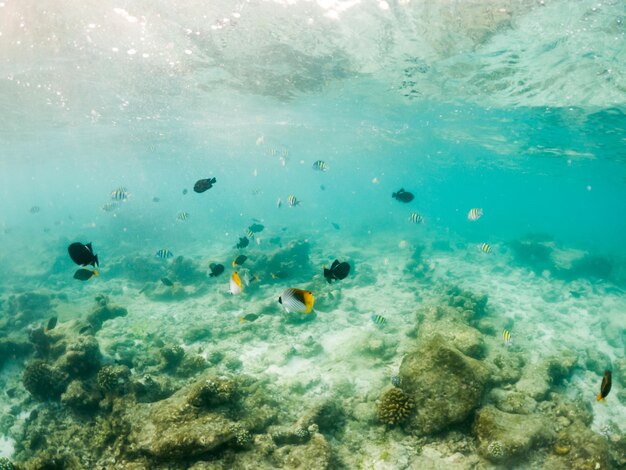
313, 234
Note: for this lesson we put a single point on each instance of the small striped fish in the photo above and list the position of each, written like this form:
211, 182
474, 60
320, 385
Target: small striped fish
182, 216
249, 233
474, 214
506, 336
34, 209
164, 253
120, 194
109, 206
378, 319
485, 247
416, 218
293, 201
320, 166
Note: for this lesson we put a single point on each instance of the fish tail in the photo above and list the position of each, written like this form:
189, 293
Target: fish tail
95, 272
599, 397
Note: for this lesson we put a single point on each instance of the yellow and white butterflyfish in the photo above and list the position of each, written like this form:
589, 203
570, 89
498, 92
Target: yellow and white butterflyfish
235, 286
297, 300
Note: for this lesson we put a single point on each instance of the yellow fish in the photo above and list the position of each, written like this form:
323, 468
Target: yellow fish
297, 300
506, 336
235, 286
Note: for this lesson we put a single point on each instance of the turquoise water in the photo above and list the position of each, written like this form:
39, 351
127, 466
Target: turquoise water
517, 108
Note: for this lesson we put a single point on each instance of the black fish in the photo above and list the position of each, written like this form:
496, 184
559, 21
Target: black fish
85, 274
243, 242
337, 227
216, 269
605, 386
403, 196
256, 228
167, 282
84, 329
184, 191
248, 317
239, 260
82, 254
203, 185
337, 271
51, 323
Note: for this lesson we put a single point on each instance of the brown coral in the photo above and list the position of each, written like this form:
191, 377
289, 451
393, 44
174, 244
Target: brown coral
394, 406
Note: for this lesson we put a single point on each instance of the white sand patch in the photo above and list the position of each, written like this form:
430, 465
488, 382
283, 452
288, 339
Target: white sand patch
7, 447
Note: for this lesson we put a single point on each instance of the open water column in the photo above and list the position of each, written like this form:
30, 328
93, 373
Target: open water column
312, 234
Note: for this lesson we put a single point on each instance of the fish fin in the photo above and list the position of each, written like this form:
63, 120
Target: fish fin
233, 263
599, 397
88, 246
96, 262
95, 272
328, 275
335, 264
242, 320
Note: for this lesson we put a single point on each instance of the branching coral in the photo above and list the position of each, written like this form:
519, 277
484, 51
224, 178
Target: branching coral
394, 406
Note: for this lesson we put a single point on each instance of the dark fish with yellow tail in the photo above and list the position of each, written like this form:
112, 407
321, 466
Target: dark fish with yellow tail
239, 260
85, 274
167, 282
605, 386
51, 324
297, 300
249, 317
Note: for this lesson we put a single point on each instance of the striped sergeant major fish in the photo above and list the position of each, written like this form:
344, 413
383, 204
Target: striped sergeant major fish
485, 247
416, 218
506, 337
319, 165
164, 253
119, 194
474, 214
293, 201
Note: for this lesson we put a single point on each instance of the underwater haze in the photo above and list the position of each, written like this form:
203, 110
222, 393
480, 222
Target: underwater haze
329, 234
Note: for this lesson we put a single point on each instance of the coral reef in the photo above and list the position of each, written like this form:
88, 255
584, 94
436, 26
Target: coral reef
394, 406
81, 358
445, 384
505, 437
79, 398
44, 381
5, 464
172, 356
103, 312
113, 379
185, 270
470, 305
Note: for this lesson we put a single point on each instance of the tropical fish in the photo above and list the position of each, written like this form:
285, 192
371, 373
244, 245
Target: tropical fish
185, 191
204, 185
605, 387
239, 260
242, 243
403, 196
256, 228
119, 194
85, 274
336, 226
156, 199
164, 253
278, 275
322, 187
167, 282
337, 271
216, 269
279, 203
375, 180
319, 165
506, 336
297, 300
249, 233
82, 254
110, 206
248, 317
34, 209
182, 216
474, 214
416, 218
235, 286
51, 324
485, 247
378, 319
293, 201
